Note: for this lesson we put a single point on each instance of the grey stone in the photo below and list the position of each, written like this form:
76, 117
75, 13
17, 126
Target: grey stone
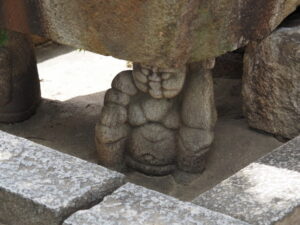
154, 77
192, 149
39, 185
166, 76
265, 192
156, 109
198, 109
183, 117
135, 205
19, 81
159, 82
113, 115
172, 120
117, 97
111, 155
111, 134
140, 75
136, 115
155, 85
170, 93
141, 87
195, 139
271, 83
155, 89
156, 93
152, 144
175, 81
124, 83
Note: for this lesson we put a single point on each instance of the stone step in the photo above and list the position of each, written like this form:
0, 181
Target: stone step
135, 205
40, 186
265, 192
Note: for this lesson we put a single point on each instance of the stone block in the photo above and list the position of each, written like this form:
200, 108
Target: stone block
271, 83
40, 186
161, 33
135, 205
265, 192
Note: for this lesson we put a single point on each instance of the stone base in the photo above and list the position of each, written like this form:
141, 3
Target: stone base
135, 205
265, 192
19, 81
39, 185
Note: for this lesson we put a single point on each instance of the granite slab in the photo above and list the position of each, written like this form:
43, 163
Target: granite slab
265, 192
135, 205
41, 186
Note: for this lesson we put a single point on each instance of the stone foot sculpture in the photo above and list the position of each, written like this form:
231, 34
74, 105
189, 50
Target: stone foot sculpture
155, 120
19, 82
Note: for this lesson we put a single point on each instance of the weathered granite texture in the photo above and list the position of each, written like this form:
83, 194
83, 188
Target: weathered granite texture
135, 205
265, 192
160, 33
158, 119
40, 186
271, 82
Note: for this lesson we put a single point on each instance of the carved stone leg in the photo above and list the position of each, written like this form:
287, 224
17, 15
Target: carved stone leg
112, 130
19, 82
153, 119
198, 116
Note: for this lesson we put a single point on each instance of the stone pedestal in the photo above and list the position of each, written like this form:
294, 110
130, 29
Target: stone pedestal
158, 119
19, 82
265, 192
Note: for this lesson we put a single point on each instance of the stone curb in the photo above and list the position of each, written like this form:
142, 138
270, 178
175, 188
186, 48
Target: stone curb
135, 205
265, 192
39, 185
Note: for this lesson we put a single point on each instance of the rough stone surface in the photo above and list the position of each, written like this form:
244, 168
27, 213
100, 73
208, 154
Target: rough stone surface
264, 193
184, 115
153, 144
159, 82
156, 110
135, 205
39, 185
271, 86
112, 115
19, 81
162, 33
136, 115
123, 82
198, 109
117, 97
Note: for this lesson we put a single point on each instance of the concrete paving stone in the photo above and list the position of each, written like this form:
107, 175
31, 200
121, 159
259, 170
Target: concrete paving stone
135, 205
40, 186
265, 192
